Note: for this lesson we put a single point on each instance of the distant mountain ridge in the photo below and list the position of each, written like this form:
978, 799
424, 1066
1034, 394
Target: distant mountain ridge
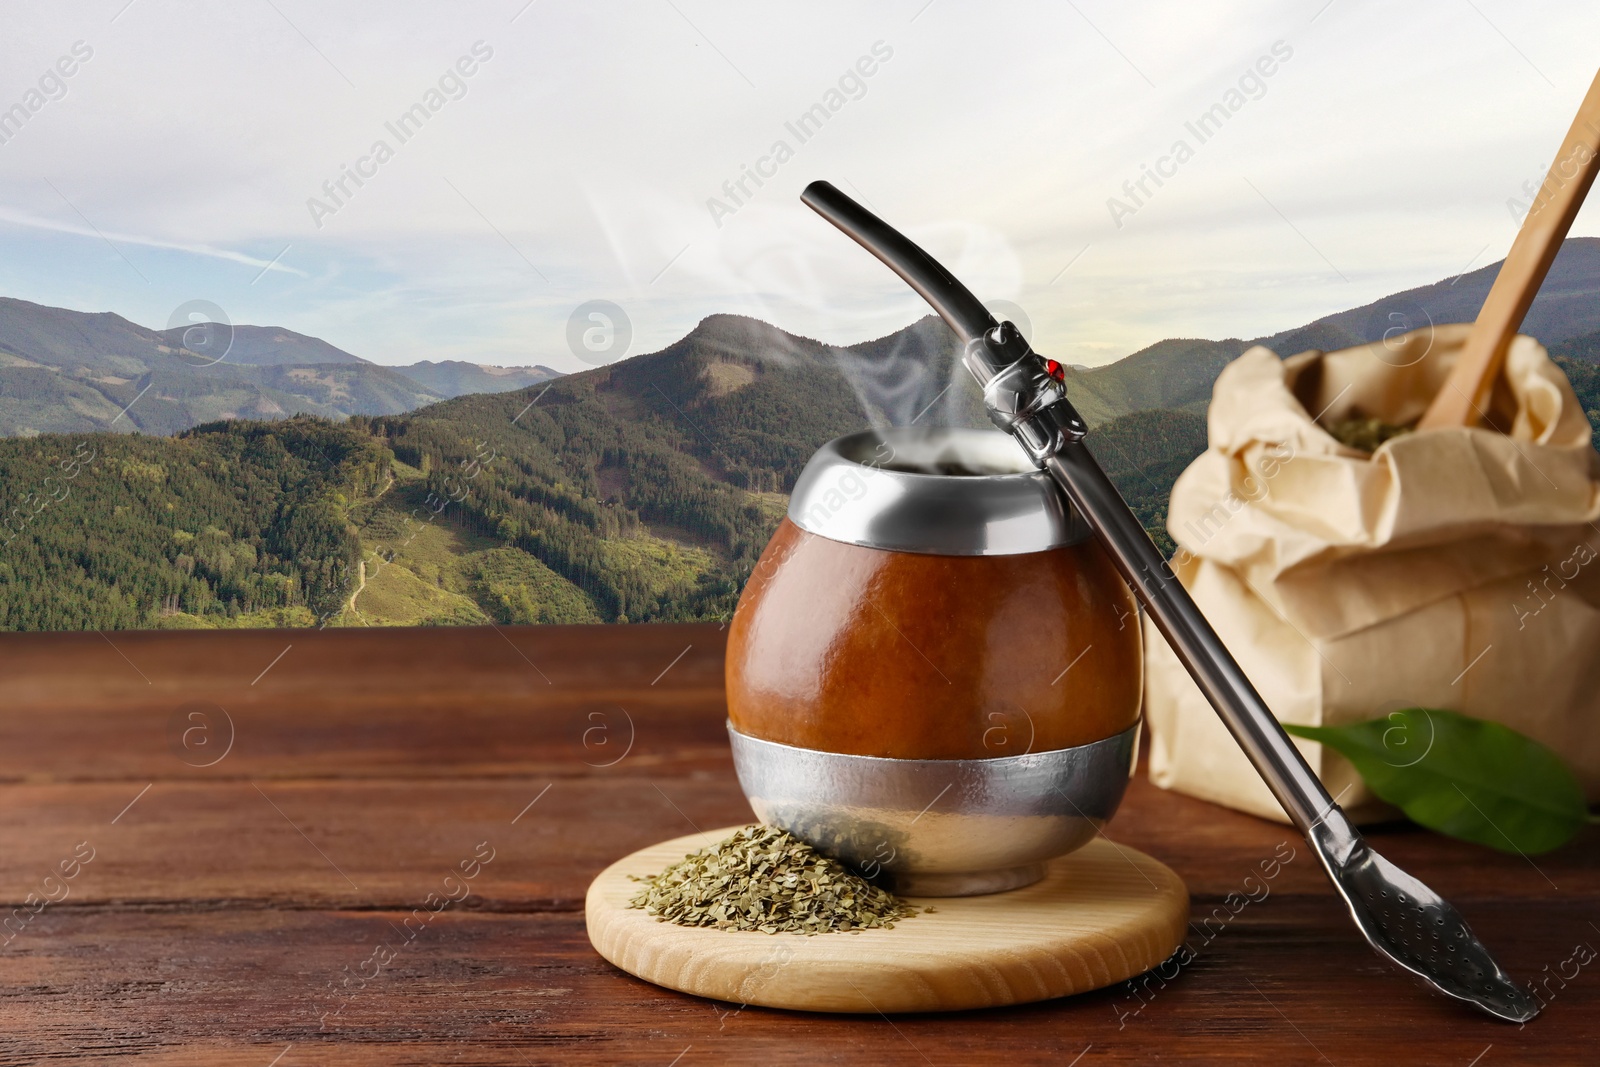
1178, 373
1568, 306
69, 371
268, 346
638, 491
453, 377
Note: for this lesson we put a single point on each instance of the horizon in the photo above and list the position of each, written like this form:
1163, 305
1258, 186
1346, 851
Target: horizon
926, 313
458, 185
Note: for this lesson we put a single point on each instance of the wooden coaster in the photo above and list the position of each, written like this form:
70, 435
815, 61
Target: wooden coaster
1103, 914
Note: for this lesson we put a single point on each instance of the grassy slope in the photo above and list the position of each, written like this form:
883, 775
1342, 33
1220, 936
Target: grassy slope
423, 569
638, 491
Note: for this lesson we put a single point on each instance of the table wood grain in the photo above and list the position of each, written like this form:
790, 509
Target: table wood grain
372, 847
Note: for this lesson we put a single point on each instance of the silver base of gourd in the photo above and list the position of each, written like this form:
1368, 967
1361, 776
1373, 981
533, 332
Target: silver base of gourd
938, 827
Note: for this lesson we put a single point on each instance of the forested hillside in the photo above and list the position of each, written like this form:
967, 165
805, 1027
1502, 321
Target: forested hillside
236, 523
651, 485
640, 491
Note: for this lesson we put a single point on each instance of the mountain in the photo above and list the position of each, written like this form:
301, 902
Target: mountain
65, 371
274, 346
1586, 348
68, 371
452, 377
639, 491
1173, 374
651, 485
643, 490
1180, 373
260, 346
1568, 306
341, 388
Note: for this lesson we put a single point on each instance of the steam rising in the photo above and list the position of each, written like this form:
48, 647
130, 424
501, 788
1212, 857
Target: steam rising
778, 262
911, 380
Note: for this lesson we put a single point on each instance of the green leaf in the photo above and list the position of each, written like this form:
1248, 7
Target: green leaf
1475, 780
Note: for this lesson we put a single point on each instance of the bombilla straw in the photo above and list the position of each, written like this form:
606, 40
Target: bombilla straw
1025, 396
954, 302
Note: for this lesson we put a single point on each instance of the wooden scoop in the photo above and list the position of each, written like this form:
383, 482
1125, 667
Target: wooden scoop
1465, 395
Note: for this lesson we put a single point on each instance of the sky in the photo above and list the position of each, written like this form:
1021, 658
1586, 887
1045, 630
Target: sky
562, 154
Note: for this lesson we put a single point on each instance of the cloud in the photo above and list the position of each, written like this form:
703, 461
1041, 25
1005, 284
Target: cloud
20, 218
593, 139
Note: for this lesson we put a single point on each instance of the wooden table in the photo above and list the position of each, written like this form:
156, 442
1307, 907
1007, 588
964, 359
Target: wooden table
387, 865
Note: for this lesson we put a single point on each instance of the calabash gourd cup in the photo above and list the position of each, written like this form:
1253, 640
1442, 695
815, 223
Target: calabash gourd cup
933, 673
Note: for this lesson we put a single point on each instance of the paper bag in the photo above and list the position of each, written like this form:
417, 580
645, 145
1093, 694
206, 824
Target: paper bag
1451, 569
